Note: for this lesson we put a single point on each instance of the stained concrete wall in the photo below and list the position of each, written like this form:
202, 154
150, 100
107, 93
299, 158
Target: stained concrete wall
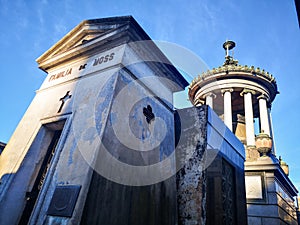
112, 203
210, 182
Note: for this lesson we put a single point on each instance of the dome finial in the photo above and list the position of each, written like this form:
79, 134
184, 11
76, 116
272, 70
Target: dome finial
229, 45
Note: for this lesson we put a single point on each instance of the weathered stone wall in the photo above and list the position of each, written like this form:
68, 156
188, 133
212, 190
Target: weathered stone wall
112, 203
116, 204
210, 180
191, 178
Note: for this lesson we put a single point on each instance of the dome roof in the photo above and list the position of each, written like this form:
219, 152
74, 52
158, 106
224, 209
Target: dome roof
233, 75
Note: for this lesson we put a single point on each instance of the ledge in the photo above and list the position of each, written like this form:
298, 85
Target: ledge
251, 71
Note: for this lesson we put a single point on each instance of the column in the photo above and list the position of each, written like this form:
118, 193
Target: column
250, 135
263, 115
227, 107
209, 99
272, 131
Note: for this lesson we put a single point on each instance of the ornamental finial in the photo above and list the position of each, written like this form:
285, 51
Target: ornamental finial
229, 45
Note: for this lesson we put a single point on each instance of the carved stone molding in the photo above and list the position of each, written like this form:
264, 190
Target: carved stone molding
211, 94
263, 96
198, 102
226, 90
246, 90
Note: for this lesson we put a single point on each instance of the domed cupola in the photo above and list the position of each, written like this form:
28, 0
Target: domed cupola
238, 94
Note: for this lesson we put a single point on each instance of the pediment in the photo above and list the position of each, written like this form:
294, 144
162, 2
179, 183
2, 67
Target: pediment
83, 33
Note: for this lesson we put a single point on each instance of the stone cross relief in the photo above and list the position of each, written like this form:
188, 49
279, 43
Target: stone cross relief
148, 114
63, 100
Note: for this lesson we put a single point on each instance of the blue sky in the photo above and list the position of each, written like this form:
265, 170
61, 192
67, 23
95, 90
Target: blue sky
266, 33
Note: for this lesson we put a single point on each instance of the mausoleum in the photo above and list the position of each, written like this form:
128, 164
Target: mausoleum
101, 142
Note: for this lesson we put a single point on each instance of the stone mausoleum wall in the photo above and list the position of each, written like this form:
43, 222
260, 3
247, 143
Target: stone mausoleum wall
211, 187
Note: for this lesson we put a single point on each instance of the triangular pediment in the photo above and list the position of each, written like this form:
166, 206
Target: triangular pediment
83, 33
93, 37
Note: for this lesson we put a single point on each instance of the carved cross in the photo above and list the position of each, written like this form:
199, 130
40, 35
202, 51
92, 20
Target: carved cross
148, 114
63, 100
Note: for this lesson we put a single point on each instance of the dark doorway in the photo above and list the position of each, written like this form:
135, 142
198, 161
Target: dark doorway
51, 135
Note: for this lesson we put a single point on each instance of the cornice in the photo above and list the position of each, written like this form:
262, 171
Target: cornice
256, 72
231, 71
109, 33
91, 34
